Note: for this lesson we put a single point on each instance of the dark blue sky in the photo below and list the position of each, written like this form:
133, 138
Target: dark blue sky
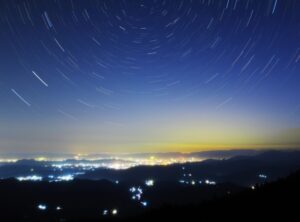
137, 76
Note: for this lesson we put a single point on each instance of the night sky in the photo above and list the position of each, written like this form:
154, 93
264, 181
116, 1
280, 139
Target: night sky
146, 76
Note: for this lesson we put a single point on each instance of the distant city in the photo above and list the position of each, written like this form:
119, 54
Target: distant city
68, 167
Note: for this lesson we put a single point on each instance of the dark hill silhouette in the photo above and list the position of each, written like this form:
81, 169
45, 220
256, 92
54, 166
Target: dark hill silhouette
84, 200
276, 201
87, 199
241, 170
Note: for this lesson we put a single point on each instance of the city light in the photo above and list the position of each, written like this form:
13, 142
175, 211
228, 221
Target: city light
210, 182
262, 176
68, 177
149, 183
114, 212
194, 182
132, 189
30, 178
42, 207
144, 203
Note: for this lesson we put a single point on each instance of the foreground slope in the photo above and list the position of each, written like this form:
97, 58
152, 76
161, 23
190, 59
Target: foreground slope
277, 201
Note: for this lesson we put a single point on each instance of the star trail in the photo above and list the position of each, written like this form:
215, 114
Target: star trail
149, 75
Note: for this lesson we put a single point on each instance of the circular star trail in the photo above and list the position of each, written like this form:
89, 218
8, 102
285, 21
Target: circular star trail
95, 75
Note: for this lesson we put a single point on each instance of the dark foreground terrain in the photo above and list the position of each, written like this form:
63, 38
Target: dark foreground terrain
263, 187
85, 199
276, 201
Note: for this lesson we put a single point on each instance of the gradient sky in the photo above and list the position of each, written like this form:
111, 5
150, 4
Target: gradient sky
146, 76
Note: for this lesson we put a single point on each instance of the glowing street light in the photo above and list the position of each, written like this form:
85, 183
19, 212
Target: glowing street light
149, 183
42, 207
114, 212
